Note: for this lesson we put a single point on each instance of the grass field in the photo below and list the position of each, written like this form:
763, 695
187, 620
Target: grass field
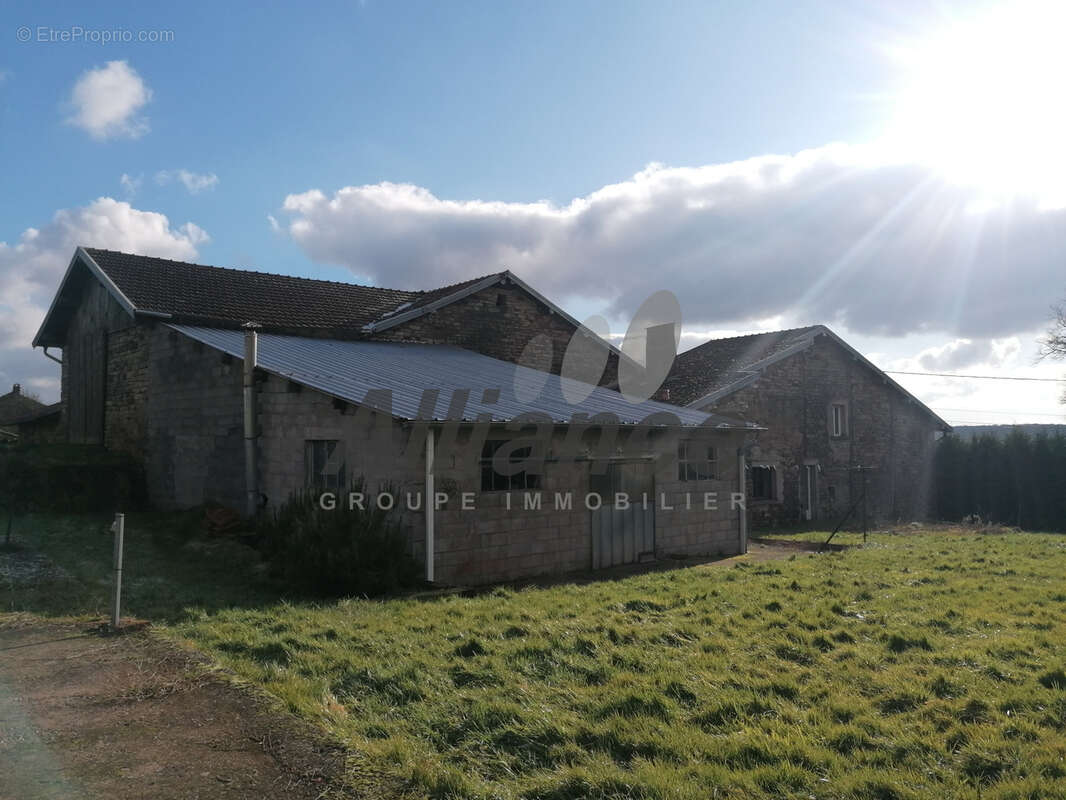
927, 664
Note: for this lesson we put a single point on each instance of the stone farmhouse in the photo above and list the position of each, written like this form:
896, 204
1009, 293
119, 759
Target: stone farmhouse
834, 425
240, 388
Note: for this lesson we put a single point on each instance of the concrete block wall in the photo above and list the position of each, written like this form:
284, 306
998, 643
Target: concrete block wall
500, 543
497, 542
376, 447
683, 524
492, 541
194, 440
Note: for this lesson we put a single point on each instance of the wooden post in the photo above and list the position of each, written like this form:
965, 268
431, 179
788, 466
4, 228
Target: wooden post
116, 589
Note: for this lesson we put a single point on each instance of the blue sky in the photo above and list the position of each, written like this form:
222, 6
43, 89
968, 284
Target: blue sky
510, 104
500, 101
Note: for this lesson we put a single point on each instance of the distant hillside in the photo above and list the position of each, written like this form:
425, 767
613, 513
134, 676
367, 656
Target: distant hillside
1002, 431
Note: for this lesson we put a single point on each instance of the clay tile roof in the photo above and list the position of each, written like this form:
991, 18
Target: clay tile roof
193, 291
227, 298
719, 363
14, 406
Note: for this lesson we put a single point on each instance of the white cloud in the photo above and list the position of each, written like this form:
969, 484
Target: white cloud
979, 400
193, 182
839, 235
30, 269
106, 100
130, 184
967, 353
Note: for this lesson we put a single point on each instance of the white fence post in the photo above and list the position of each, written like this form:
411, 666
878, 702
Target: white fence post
116, 595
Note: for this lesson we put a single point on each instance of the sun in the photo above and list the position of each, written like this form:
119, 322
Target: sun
984, 101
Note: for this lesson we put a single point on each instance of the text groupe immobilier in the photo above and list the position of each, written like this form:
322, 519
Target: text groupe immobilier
533, 501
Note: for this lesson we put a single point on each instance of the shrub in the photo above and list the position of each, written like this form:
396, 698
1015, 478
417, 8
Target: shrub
345, 551
77, 478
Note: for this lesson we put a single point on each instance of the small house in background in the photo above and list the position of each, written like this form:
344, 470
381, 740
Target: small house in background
417, 392
834, 424
16, 406
42, 426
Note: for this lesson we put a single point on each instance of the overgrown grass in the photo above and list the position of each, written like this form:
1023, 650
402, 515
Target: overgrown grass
923, 665
171, 569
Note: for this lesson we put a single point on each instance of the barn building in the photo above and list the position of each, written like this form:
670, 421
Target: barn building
240, 388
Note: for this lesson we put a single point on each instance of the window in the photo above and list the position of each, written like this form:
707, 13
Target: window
763, 482
696, 462
838, 420
324, 464
494, 481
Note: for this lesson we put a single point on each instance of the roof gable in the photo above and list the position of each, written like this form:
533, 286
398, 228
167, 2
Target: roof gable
716, 369
700, 374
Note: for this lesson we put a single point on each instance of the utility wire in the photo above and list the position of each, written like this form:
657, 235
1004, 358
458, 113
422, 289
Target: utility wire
1000, 411
981, 377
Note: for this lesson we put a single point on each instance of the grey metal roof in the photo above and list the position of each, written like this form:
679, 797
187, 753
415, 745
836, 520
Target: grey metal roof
350, 369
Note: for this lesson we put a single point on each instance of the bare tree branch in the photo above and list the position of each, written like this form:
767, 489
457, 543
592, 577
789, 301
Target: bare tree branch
1054, 342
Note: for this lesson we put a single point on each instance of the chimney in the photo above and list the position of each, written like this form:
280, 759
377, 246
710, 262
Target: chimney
16, 389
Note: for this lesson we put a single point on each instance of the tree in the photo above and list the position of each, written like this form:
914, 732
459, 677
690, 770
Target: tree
1053, 344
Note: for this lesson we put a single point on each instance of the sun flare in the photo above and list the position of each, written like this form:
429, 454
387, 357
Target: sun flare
984, 100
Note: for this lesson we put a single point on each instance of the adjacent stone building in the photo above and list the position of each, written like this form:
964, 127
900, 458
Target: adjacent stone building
421, 393
833, 423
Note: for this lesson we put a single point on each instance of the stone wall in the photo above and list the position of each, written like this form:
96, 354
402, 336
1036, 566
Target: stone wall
127, 390
504, 322
888, 434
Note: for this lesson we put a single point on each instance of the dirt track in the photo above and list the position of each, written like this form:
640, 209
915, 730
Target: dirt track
86, 716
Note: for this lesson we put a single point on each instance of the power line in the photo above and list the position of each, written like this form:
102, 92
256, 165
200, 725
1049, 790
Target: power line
980, 377
1000, 411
